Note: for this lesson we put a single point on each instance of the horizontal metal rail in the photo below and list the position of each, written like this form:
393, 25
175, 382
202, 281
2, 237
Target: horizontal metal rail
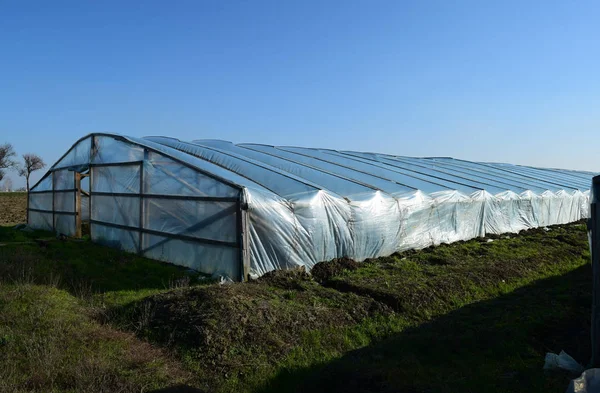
161, 196
96, 165
51, 191
52, 212
166, 234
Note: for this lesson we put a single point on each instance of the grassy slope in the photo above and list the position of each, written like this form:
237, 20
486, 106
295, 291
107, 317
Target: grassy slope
450, 318
496, 345
51, 338
50, 344
278, 333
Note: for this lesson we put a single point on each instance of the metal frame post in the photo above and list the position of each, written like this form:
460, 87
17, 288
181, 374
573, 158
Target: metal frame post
53, 201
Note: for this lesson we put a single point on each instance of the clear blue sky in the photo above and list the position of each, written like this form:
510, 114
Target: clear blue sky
513, 81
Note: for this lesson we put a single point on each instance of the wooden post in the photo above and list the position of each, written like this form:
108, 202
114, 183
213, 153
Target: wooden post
594, 227
77, 204
242, 229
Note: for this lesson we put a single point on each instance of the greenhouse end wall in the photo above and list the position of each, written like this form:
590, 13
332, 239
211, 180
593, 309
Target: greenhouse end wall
141, 201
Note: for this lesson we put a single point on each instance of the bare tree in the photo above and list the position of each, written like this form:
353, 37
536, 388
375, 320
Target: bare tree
7, 185
31, 163
6, 154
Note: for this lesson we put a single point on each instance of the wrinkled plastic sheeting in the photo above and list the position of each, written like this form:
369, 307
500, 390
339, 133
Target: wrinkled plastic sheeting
206, 258
41, 201
39, 220
109, 149
588, 382
171, 178
45, 184
320, 226
121, 179
79, 155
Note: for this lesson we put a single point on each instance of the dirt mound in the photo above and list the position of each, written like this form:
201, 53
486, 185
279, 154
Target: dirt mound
223, 327
286, 279
323, 271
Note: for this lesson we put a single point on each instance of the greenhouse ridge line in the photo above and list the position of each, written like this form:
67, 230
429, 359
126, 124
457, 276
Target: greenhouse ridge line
530, 177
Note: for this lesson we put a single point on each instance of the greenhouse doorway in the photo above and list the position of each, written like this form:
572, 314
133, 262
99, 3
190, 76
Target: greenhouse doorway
82, 203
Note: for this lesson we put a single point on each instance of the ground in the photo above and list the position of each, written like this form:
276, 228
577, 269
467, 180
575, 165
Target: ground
470, 316
13, 208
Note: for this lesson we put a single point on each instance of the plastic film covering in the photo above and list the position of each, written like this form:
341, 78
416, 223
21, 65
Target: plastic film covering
40, 220
121, 179
41, 201
419, 180
123, 239
305, 205
207, 258
77, 156
200, 219
45, 184
290, 162
171, 178
269, 177
111, 149
120, 210
64, 202
64, 224
64, 180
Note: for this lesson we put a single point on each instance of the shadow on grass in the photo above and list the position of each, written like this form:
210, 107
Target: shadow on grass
82, 267
493, 346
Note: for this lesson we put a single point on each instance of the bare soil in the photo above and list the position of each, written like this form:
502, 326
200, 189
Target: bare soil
13, 208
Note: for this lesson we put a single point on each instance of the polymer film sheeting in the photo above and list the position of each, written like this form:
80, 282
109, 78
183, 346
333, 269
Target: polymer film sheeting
182, 202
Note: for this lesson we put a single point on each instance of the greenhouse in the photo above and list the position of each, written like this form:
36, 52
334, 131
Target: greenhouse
242, 210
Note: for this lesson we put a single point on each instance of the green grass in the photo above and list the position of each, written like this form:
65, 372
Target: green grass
495, 345
469, 316
50, 344
85, 268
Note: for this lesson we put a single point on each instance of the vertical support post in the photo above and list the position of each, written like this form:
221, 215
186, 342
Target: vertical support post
594, 227
77, 200
141, 245
91, 180
242, 229
53, 201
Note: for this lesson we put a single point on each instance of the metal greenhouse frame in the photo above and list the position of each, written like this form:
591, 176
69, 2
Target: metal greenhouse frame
145, 198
